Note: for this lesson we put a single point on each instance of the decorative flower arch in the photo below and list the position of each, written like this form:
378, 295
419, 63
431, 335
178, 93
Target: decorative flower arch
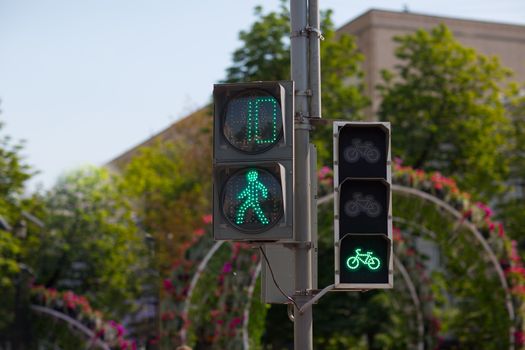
209, 293
75, 311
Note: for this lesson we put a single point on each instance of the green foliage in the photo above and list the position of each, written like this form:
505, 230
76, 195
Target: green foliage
467, 299
219, 299
258, 311
170, 183
512, 206
444, 103
91, 244
14, 173
265, 53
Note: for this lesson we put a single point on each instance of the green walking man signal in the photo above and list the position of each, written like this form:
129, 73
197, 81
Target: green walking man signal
251, 194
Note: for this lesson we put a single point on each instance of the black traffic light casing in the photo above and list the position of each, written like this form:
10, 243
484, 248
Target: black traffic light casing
253, 161
362, 206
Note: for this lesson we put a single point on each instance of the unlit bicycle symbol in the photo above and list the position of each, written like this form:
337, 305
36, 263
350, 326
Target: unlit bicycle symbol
359, 149
362, 204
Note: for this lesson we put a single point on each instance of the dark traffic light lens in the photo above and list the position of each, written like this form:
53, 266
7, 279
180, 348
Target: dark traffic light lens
253, 121
252, 200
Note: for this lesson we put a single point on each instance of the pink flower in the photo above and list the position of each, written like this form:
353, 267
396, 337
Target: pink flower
168, 285
518, 290
100, 333
227, 268
519, 338
323, 172
485, 208
235, 322
207, 219
517, 269
165, 316
467, 214
492, 226
199, 232
501, 231
397, 235
120, 331
214, 313
514, 256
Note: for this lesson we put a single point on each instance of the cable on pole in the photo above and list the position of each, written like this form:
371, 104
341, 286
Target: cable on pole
275, 281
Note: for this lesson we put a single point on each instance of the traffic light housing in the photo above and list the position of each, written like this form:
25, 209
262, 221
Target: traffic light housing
362, 206
253, 161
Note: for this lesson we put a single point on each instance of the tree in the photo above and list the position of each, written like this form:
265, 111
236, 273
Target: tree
14, 270
90, 244
265, 55
170, 183
445, 105
511, 204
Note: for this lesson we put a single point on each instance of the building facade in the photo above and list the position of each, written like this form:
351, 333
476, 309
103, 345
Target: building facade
375, 29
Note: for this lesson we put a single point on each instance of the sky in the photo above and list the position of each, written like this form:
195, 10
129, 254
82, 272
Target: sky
83, 81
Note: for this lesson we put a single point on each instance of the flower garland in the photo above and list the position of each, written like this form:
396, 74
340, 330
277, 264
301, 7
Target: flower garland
477, 213
78, 307
218, 319
480, 215
222, 312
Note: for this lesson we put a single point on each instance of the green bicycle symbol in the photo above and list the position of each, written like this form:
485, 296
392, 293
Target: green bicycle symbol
367, 259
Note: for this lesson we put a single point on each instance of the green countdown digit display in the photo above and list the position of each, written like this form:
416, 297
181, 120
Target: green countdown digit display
252, 121
252, 199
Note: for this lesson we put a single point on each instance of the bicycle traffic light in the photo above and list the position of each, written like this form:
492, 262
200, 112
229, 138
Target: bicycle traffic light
253, 161
362, 206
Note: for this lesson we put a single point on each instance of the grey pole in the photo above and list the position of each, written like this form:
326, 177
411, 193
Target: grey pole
303, 330
315, 58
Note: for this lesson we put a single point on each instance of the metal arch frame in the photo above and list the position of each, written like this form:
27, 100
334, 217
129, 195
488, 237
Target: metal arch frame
61, 316
246, 313
193, 283
195, 280
472, 228
412, 290
415, 299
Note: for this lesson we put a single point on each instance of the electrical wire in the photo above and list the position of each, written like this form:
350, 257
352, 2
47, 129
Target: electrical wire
275, 282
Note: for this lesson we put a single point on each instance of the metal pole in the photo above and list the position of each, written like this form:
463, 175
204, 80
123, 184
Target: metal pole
315, 58
303, 330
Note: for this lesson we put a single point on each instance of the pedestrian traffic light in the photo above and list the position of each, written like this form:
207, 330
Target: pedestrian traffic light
362, 206
253, 161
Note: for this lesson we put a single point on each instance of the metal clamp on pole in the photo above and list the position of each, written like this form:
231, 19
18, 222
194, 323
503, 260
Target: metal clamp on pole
307, 92
317, 297
298, 33
298, 245
306, 31
316, 31
302, 122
